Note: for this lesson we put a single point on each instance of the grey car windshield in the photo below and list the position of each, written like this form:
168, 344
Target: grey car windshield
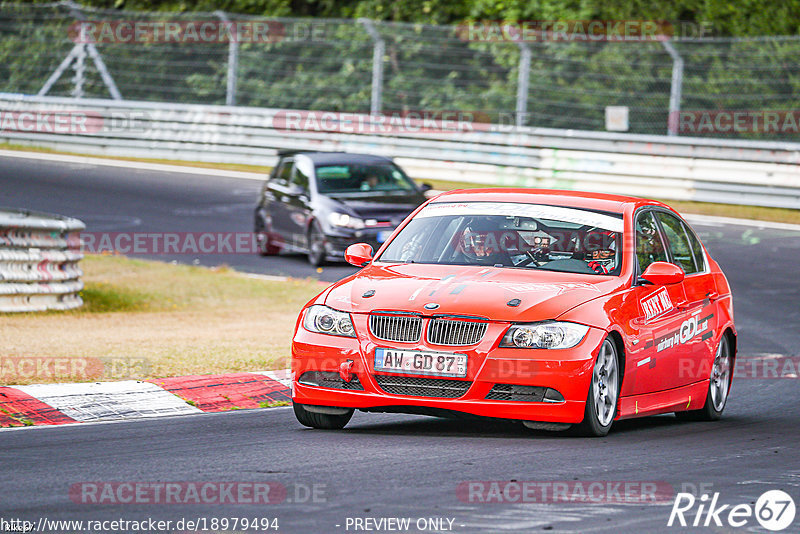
511, 235
362, 178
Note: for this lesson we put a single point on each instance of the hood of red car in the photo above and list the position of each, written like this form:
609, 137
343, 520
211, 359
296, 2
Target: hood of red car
468, 290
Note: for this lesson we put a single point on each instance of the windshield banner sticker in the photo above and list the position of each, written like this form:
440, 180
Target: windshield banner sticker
534, 211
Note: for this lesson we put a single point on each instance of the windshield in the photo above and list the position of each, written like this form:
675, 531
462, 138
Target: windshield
499, 234
363, 178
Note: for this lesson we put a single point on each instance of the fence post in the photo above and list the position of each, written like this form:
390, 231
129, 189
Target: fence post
78, 54
80, 72
523, 83
378, 50
233, 60
675, 88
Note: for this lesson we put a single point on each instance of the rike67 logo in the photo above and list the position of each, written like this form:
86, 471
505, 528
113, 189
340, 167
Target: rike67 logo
774, 510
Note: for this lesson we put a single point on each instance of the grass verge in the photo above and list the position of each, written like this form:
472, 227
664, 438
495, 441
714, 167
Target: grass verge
144, 319
200, 164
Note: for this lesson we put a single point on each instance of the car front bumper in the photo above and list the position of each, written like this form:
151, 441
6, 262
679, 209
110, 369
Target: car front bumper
568, 371
337, 241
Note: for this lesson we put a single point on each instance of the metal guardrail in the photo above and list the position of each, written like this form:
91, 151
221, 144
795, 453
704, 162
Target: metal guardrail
39, 256
724, 171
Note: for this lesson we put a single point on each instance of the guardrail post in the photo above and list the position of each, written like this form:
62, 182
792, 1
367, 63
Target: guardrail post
523, 82
378, 50
233, 60
675, 89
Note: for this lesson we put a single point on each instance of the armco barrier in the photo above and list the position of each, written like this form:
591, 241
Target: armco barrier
39, 256
725, 171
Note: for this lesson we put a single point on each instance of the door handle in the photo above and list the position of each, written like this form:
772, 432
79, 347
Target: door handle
682, 305
712, 295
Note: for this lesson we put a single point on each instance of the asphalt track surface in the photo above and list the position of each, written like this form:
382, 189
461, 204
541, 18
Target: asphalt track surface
395, 465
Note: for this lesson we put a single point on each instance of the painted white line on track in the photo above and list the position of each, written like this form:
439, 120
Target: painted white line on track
118, 421
109, 400
284, 376
139, 165
92, 402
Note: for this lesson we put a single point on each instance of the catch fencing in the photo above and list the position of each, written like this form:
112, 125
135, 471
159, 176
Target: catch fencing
545, 79
39, 255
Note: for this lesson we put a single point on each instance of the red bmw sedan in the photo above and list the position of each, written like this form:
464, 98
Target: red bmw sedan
553, 308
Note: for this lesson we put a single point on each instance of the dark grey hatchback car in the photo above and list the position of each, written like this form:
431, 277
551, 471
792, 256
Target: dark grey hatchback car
319, 203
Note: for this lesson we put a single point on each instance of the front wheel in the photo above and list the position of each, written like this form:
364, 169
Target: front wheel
601, 402
265, 243
718, 386
325, 421
316, 245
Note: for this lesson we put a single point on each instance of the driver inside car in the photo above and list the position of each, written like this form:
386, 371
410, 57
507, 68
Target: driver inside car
601, 250
370, 183
481, 243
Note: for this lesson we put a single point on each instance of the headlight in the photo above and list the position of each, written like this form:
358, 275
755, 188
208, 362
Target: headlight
345, 220
548, 335
325, 320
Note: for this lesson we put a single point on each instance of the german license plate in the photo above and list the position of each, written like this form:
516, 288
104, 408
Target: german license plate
416, 362
383, 235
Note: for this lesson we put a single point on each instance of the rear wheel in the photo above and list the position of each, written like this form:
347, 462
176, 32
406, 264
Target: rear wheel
718, 387
316, 245
325, 421
601, 402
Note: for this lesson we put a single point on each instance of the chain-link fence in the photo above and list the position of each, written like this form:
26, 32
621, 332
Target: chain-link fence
365, 66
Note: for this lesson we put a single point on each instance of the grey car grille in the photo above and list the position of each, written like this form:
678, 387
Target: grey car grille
329, 379
399, 327
455, 332
511, 392
423, 387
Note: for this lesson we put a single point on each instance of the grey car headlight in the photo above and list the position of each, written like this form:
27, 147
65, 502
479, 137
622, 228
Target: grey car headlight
546, 335
346, 221
325, 320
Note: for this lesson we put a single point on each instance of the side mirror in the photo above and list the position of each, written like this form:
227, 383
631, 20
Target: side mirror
295, 189
359, 254
425, 187
662, 273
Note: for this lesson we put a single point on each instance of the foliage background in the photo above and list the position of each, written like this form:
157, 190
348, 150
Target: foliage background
752, 62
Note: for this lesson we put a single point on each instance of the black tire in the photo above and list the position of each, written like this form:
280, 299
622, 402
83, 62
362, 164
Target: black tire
605, 385
322, 421
316, 245
721, 377
266, 247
